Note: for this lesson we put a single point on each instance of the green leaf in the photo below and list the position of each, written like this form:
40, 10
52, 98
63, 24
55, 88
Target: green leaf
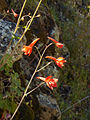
9, 105
1, 102
2, 68
15, 37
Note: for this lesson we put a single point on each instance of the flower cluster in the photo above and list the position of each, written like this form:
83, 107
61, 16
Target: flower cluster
50, 82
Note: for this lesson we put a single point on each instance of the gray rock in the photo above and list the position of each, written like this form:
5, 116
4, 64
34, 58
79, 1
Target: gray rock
6, 31
49, 109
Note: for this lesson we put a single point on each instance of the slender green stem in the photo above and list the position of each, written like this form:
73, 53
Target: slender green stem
30, 22
44, 66
23, 33
38, 51
14, 30
35, 88
29, 83
20, 16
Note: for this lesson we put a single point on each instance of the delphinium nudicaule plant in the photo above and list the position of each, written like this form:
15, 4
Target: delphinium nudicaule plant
50, 81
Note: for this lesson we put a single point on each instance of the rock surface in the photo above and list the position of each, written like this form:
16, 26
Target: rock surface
6, 33
49, 109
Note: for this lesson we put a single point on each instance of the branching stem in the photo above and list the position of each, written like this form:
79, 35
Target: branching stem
44, 66
29, 82
34, 88
26, 29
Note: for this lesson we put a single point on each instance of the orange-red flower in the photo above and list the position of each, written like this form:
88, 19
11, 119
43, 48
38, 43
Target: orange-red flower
15, 14
58, 44
59, 61
49, 81
28, 49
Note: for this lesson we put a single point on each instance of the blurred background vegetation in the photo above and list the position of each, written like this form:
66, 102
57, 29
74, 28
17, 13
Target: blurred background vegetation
73, 22
72, 18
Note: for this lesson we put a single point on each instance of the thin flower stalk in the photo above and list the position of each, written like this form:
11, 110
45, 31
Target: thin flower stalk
44, 66
14, 30
20, 16
29, 83
38, 51
23, 32
34, 88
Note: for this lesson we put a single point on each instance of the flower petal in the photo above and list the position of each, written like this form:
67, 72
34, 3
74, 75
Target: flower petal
41, 78
53, 40
27, 50
50, 57
49, 86
33, 43
59, 45
60, 58
15, 14
56, 80
48, 78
